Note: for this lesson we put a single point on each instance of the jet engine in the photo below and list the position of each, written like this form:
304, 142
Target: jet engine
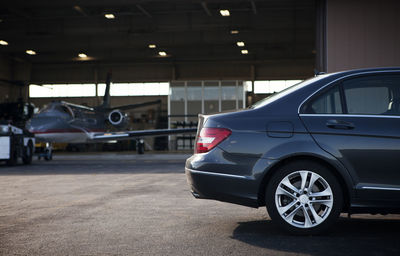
117, 118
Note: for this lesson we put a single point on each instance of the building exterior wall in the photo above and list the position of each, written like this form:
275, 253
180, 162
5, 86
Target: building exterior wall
362, 34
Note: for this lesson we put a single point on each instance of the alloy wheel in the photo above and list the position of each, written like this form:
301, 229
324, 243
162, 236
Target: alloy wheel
304, 199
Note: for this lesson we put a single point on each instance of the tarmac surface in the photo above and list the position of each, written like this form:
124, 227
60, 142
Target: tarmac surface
128, 204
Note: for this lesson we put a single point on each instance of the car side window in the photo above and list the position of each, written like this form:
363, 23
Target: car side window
373, 95
329, 102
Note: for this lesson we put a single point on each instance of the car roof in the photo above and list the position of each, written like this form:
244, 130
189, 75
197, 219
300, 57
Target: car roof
364, 70
301, 92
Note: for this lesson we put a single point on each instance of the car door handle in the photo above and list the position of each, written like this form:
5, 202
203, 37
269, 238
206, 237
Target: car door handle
338, 124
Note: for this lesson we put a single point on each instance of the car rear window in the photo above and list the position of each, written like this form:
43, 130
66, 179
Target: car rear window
329, 102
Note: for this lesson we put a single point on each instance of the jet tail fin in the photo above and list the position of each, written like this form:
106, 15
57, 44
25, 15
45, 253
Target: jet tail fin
106, 98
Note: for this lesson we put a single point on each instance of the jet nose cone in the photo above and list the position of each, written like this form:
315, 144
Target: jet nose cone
41, 124
30, 125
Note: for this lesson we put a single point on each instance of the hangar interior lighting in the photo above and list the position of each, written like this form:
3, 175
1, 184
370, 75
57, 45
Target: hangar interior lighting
109, 16
89, 90
136, 89
225, 13
245, 51
62, 90
30, 52
162, 53
240, 44
2, 42
82, 55
271, 86
152, 46
234, 32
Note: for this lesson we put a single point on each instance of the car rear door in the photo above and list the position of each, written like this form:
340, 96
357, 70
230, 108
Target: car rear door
358, 121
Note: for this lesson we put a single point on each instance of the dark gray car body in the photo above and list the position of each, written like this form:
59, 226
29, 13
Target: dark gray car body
365, 158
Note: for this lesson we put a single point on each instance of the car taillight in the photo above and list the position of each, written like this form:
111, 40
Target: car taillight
210, 137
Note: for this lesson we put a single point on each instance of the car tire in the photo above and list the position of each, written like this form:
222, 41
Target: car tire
13, 160
304, 197
28, 153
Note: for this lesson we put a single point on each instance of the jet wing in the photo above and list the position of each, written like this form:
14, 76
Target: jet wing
125, 135
139, 105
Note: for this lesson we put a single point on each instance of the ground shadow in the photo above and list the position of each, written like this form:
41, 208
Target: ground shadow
347, 237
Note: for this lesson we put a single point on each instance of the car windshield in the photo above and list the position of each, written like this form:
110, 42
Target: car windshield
285, 92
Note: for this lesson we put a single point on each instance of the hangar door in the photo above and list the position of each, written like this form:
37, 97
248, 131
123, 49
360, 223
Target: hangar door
187, 99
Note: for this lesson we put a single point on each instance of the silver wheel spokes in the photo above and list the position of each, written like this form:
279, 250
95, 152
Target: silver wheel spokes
304, 199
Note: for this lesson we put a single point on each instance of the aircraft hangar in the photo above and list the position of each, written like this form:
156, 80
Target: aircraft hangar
209, 58
195, 56
106, 70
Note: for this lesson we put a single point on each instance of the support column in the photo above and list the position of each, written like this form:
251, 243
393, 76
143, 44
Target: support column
320, 43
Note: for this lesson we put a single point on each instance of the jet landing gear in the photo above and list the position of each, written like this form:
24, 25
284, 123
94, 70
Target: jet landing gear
46, 153
140, 146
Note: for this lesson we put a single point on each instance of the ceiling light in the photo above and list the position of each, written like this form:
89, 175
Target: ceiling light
2, 42
245, 51
234, 32
240, 44
225, 12
30, 52
109, 16
82, 55
162, 53
152, 46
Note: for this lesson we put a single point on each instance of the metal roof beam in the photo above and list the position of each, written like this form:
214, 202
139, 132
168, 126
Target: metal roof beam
205, 8
19, 12
80, 10
144, 11
253, 6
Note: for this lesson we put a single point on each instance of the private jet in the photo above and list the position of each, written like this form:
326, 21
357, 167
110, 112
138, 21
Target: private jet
63, 122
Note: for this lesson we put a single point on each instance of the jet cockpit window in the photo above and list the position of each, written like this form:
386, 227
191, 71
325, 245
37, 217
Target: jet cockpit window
46, 108
67, 110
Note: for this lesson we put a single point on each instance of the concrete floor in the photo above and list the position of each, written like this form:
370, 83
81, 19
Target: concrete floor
122, 204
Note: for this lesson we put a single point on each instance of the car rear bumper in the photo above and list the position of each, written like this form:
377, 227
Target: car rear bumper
221, 176
222, 187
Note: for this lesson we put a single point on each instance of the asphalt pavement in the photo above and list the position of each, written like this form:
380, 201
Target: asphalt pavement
128, 204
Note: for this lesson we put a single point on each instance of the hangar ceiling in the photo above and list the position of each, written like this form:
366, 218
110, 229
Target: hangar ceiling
190, 32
